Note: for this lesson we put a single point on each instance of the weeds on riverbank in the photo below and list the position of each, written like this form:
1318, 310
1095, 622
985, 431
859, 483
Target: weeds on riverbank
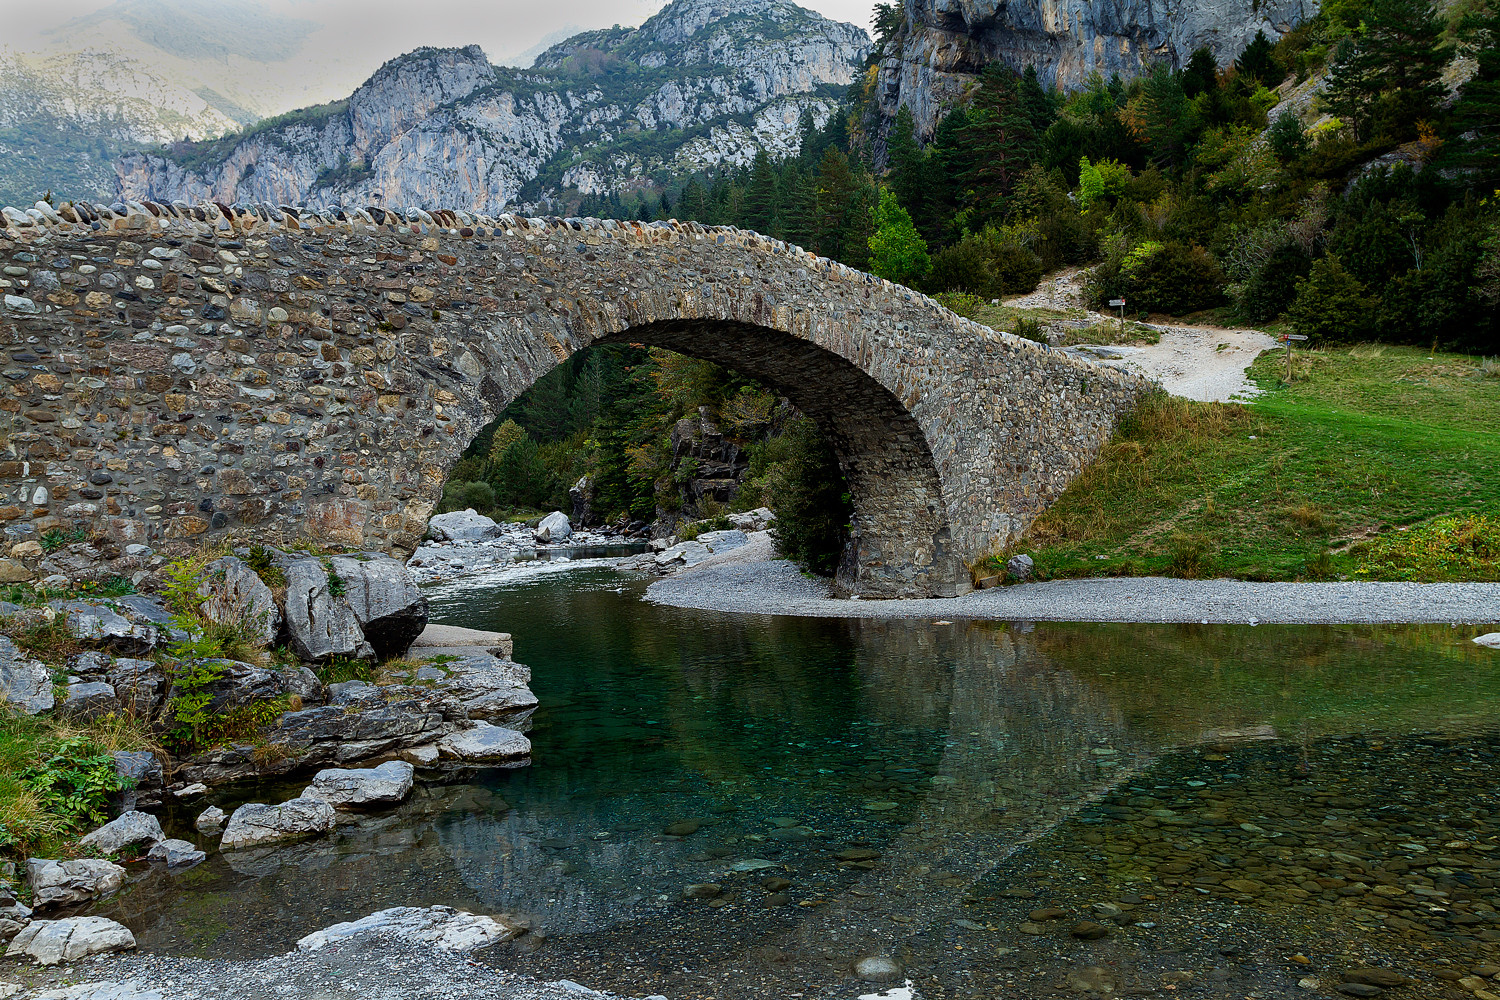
1310, 481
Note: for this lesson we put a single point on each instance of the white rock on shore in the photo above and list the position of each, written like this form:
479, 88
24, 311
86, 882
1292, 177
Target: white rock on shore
61, 883
124, 830
488, 745
52, 941
1490, 640
462, 526
442, 927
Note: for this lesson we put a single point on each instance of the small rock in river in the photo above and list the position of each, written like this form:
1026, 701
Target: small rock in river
877, 969
775, 883
1087, 930
1383, 978
702, 890
683, 828
1359, 990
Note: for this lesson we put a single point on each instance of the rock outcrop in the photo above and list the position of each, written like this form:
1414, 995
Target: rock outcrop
944, 44
25, 684
233, 592
718, 80
124, 831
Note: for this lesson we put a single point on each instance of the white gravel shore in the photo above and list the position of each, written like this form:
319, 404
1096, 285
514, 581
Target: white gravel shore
750, 580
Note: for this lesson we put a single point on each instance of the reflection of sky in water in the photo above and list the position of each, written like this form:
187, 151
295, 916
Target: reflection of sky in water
789, 741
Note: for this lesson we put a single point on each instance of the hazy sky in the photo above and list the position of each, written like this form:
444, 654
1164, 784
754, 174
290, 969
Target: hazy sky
504, 28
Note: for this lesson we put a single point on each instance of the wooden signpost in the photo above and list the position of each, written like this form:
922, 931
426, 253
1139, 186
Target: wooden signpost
1119, 304
1288, 338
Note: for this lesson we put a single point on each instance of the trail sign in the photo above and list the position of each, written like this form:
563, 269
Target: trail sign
1120, 305
1117, 303
1287, 338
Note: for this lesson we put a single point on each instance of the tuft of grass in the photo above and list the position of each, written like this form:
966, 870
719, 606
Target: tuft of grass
1490, 368
345, 668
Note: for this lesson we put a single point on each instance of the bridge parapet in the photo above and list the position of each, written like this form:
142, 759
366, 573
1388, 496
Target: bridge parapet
176, 373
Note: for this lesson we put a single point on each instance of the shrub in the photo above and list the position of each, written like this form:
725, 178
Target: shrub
1100, 182
1287, 137
897, 251
74, 780
1449, 548
811, 500
1330, 304
1172, 277
1272, 287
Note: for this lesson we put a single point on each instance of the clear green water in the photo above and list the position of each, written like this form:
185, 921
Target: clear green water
923, 789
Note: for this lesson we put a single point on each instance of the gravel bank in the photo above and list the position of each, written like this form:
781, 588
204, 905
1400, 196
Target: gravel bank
750, 581
369, 970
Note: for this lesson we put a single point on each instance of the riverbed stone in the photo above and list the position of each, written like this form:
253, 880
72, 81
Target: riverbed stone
441, 927
123, 831
1490, 640
1020, 567
234, 592
257, 823
51, 942
26, 684
362, 788
210, 821
878, 969
176, 854
62, 883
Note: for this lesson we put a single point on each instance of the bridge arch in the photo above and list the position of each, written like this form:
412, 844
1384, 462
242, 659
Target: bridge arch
281, 373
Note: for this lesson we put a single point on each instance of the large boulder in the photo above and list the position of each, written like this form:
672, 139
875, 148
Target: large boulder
319, 623
463, 526
233, 592
68, 940
441, 927
25, 683
124, 830
387, 604
139, 685
581, 496
485, 745
62, 883
758, 519
362, 788
239, 683
142, 776
257, 823
553, 528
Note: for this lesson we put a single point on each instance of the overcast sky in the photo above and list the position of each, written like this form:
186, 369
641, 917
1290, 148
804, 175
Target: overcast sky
503, 28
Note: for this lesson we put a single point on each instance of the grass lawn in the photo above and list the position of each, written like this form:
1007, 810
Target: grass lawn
1377, 462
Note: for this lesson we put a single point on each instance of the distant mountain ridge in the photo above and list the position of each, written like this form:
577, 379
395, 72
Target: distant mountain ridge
701, 84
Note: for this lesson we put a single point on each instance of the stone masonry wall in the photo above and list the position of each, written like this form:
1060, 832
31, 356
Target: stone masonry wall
172, 373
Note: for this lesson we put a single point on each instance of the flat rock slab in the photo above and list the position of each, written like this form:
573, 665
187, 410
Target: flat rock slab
441, 927
487, 745
1490, 640
257, 823
362, 788
176, 854
453, 635
52, 941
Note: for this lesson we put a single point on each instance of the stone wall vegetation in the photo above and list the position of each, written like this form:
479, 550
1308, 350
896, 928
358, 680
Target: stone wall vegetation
181, 374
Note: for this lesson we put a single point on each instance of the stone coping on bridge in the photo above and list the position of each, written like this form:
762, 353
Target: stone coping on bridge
232, 222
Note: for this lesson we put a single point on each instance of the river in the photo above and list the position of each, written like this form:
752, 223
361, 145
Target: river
1005, 810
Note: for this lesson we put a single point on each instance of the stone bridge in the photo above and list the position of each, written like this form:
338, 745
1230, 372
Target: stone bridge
179, 373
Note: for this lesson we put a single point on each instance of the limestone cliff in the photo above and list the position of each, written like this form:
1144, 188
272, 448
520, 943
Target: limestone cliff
943, 44
702, 83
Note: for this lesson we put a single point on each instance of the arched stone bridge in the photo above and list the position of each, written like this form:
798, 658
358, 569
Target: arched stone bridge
176, 372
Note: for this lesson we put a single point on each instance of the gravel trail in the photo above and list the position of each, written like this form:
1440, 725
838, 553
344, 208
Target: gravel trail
750, 581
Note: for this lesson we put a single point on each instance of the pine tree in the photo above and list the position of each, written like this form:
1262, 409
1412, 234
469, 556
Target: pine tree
1162, 117
1038, 103
1001, 141
692, 203
1476, 115
1385, 79
908, 177
1256, 62
1201, 74
761, 197
799, 205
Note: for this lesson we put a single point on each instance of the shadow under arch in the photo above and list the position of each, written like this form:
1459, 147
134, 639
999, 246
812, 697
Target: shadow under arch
899, 543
